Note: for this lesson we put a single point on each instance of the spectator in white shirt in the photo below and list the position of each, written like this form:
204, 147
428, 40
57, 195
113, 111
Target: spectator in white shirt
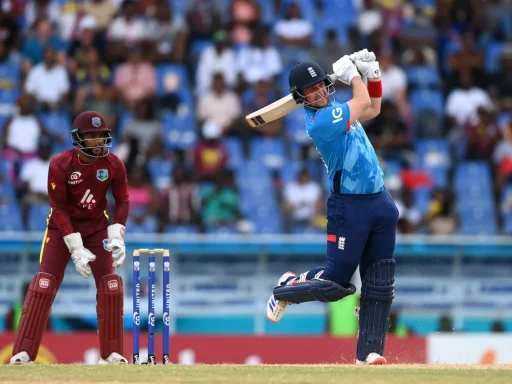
302, 200
463, 102
22, 131
127, 27
220, 105
48, 82
294, 30
34, 178
219, 58
394, 82
259, 60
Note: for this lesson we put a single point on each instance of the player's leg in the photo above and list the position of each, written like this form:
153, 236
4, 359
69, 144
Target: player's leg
347, 229
54, 258
377, 276
109, 301
276, 308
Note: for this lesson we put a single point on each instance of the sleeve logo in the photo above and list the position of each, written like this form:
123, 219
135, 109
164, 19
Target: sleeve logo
337, 114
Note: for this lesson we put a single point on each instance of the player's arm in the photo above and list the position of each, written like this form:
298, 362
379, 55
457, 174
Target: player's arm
360, 101
346, 71
375, 91
115, 242
57, 194
368, 66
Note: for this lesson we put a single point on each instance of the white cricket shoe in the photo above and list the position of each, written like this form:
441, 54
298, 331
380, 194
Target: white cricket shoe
373, 359
114, 358
21, 358
276, 308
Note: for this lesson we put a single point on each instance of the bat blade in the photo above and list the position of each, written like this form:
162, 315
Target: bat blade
272, 111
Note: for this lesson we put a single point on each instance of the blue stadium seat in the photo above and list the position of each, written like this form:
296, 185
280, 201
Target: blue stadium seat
424, 100
422, 199
148, 226
179, 131
506, 209
125, 119
37, 217
160, 171
235, 150
295, 126
181, 229
434, 158
423, 76
474, 200
7, 192
340, 13
163, 71
269, 151
60, 124
11, 217
493, 54
10, 88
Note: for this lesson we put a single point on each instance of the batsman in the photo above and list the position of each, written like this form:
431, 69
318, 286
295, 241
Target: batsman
79, 228
361, 215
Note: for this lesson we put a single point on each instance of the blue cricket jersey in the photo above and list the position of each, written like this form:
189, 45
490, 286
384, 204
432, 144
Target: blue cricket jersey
346, 148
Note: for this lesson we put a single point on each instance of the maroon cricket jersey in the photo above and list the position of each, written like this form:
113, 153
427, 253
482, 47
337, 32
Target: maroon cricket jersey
78, 193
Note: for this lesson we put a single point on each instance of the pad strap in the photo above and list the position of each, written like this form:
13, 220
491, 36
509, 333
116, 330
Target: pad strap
35, 314
313, 290
109, 309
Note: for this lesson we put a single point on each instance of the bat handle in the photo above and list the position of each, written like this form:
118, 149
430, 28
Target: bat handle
333, 77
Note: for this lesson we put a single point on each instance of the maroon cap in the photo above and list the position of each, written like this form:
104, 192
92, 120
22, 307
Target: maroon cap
90, 121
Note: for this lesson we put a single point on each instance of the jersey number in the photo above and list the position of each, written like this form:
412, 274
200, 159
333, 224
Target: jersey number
337, 114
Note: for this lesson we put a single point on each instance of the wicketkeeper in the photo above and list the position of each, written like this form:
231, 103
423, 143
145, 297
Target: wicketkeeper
79, 228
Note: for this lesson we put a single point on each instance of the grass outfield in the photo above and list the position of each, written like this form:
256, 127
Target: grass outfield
227, 374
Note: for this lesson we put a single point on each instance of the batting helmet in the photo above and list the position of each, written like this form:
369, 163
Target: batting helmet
91, 122
304, 75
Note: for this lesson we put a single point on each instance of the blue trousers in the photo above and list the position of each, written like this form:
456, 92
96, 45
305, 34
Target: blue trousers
361, 229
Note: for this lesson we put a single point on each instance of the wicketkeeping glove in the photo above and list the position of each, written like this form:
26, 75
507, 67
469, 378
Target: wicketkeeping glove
81, 256
115, 243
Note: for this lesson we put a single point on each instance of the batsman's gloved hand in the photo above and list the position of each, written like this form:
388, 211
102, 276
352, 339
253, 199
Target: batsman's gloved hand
363, 55
81, 256
115, 243
345, 70
370, 70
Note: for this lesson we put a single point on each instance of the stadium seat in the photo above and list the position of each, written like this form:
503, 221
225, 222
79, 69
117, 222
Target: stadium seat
235, 151
434, 158
425, 100
170, 72
493, 54
11, 217
179, 131
160, 171
181, 229
270, 152
423, 77
37, 218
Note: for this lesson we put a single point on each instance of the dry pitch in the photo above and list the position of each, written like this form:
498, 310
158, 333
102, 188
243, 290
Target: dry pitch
227, 374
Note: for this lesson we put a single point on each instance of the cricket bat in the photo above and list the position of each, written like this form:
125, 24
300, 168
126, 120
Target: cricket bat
276, 110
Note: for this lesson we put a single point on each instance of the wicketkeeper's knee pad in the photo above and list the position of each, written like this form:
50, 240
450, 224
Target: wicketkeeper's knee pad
35, 314
109, 308
377, 293
313, 290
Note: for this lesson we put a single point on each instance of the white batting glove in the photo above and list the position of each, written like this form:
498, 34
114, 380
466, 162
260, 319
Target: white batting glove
81, 256
345, 70
363, 55
115, 244
370, 70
